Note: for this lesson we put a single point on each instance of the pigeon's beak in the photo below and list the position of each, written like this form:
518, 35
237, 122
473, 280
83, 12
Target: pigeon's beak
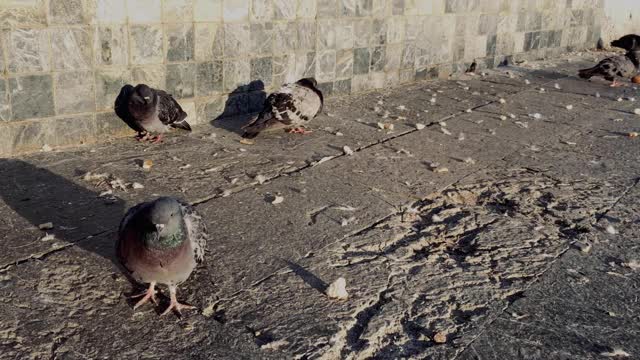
159, 227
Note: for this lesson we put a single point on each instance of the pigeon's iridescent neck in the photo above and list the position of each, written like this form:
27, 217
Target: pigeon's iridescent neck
171, 240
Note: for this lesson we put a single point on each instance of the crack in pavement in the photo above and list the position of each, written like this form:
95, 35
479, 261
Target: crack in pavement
43, 255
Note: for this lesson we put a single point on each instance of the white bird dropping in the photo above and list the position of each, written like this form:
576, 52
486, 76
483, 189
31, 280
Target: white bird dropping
338, 289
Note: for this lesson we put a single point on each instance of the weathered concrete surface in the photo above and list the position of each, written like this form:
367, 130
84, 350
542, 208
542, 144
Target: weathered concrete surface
475, 261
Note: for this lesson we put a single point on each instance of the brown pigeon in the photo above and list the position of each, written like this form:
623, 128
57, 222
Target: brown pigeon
148, 110
161, 242
291, 107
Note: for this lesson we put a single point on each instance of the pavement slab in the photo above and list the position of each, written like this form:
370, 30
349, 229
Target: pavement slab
461, 234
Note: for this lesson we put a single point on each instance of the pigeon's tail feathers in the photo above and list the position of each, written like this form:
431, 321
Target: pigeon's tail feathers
262, 122
182, 124
590, 72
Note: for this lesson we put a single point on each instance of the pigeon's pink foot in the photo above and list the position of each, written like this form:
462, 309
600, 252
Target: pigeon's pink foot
150, 294
299, 130
156, 139
142, 137
616, 84
175, 305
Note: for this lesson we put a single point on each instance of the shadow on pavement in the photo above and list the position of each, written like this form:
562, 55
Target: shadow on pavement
40, 196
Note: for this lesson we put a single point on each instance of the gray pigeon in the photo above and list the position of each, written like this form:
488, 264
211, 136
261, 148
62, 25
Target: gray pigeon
291, 107
147, 110
161, 242
626, 66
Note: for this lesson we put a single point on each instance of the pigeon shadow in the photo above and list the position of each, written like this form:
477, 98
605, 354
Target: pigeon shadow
306, 276
78, 215
240, 106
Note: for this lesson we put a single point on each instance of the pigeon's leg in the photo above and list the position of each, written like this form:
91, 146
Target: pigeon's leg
143, 136
615, 83
150, 294
299, 130
157, 139
175, 305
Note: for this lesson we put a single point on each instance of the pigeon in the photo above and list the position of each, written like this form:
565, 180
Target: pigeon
625, 66
161, 242
627, 42
291, 107
472, 68
147, 110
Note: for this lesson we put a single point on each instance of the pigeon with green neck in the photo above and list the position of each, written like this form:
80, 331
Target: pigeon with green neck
161, 242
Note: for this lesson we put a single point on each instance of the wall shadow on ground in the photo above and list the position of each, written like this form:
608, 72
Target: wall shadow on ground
40, 196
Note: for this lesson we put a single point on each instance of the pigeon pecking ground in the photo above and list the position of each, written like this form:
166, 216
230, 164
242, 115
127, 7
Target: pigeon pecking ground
477, 217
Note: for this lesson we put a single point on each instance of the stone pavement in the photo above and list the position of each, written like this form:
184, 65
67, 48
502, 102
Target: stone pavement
459, 240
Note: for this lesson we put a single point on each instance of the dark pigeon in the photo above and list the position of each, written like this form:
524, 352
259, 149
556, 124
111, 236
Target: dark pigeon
161, 242
291, 107
147, 110
624, 66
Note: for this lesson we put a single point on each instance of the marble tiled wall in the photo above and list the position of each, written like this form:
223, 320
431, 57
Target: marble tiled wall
64, 61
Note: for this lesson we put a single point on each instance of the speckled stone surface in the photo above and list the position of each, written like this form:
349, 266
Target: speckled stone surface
518, 240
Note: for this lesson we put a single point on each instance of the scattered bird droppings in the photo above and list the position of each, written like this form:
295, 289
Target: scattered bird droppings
46, 226
584, 247
338, 289
260, 179
616, 353
48, 237
636, 111
502, 101
347, 150
277, 200
420, 126
445, 131
503, 118
569, 107
633, 265
184, 167
611, 230
137, 185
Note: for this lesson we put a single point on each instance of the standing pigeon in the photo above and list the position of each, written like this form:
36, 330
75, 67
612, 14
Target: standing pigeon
161, 242
291, 107
627, 42
626, 66
148, 110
